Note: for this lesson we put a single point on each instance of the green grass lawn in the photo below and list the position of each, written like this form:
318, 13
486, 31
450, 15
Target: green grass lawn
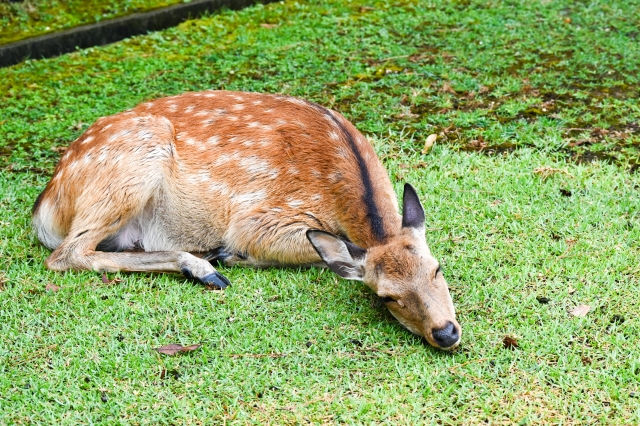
30, 18
532, 201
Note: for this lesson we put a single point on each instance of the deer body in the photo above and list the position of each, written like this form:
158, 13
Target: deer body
248, 178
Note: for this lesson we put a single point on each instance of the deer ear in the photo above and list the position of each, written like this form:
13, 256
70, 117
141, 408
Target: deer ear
412, 211
342, 257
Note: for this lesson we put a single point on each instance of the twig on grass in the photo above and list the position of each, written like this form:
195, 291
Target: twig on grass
271, 355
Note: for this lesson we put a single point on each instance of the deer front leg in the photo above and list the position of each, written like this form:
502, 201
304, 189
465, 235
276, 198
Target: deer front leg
156, 261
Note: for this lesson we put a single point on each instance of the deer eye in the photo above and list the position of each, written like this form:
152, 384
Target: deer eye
439, 270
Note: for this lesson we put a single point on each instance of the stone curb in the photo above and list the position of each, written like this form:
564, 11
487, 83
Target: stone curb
111, 30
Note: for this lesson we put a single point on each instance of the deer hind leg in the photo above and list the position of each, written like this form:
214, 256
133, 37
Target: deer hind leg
112, 199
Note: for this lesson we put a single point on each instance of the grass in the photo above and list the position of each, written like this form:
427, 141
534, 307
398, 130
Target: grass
30, 18
531, 192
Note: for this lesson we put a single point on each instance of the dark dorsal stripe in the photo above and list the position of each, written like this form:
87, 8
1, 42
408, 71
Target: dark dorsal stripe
376, 221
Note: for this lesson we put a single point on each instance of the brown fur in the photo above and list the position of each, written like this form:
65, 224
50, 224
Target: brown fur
247, 172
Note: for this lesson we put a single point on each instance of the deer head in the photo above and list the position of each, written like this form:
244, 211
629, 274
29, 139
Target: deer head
402, 272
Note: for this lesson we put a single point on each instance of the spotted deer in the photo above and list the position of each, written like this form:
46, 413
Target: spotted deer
179, 183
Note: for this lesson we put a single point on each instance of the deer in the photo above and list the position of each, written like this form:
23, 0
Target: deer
182, 183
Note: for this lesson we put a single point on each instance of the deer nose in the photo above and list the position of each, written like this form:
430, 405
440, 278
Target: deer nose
447, 336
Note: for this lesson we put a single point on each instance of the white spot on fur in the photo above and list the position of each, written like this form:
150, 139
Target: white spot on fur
253, 124
210, 95
335, 177
293, 171
227, 158
256, 166
173, 107
204, 176
189, 109
316, 197
315, 173
201, 113
220, 188
87, 140
115, 136
237, 107
258, 102
341, 151
295, 203
213, 140
333, 135
106, 127
251, 197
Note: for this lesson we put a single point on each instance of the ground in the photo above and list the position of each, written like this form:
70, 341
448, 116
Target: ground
531, 195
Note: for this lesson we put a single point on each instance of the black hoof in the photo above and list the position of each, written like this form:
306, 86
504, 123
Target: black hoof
216, 279
217, 256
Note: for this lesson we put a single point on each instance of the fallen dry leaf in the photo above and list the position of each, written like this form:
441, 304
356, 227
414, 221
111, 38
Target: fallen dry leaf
580, 310
446, 88
174, 348
428, 144
52, 287
268, 26
510, 342
545, 171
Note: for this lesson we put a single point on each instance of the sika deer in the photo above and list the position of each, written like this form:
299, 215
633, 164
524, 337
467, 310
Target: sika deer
252, 179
